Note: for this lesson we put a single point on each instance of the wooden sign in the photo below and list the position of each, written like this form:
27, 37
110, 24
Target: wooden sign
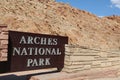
29, 51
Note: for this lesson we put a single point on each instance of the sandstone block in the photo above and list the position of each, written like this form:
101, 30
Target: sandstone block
103, 54
87, 66
4, 33
96, 62
82, 62
100, 58
80, 51
0, 30
2, 37
4, 51
72, 70
67, 49
4, 55
74, 66
69, 70
67, 58
107, 64
81, 58
0, 53
68, 53
4, 29
96, 66
3, 46
84, 54
3, 59
4, 42
68, 63
114, 59
115, 63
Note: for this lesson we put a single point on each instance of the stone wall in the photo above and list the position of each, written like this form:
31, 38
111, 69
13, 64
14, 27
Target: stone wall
81, 58
3, 42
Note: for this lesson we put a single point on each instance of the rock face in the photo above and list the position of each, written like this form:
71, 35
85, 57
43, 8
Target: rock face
41, 16
46, 1
115, 18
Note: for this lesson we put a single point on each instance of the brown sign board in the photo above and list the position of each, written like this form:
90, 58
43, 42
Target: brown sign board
30, 51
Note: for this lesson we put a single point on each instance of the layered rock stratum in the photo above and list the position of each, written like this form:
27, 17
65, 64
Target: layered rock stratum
50, 17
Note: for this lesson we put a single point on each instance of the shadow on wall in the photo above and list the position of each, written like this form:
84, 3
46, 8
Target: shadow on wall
12, 77
3, 67
25, 77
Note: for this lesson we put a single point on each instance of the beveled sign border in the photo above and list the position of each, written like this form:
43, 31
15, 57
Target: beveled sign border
19, 45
